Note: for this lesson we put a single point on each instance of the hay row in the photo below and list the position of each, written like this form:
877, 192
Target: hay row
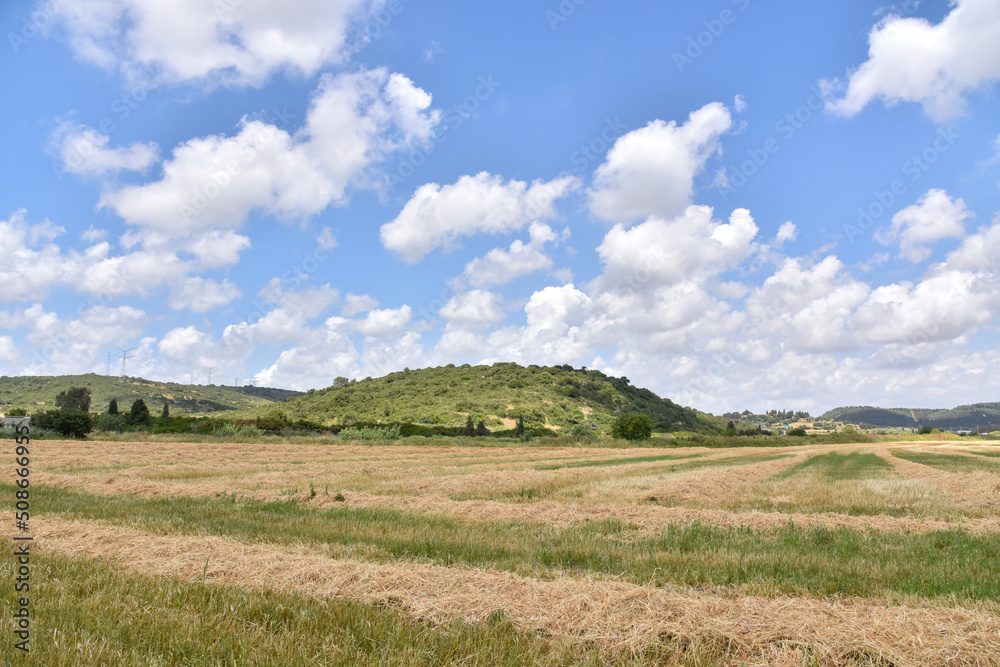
609, 613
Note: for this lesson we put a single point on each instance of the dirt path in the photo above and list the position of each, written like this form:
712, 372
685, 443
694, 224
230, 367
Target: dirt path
610, 613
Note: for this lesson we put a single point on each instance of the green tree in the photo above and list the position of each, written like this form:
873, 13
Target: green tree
113, 423
470, 427
632, 427
481, 429
798, 432
519, 431
74, 398
139, 413
273, 420
113, 407
730, 430
166, 410
17, 412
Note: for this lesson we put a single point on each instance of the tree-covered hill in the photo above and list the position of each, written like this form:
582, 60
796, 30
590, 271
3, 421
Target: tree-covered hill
558, 396
964, 416
36, 393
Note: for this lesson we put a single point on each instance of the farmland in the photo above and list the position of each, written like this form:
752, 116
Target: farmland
443, 552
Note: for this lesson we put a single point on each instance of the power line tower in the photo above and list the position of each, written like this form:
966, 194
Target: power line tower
192, 377
125, 357
108, 370
210, 369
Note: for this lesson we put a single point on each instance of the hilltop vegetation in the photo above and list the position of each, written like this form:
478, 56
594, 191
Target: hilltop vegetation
559, 396
39, 393
964, 416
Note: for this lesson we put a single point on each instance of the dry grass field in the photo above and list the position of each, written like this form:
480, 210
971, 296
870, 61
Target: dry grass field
347, 553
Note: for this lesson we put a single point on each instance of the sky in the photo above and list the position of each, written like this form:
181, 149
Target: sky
737, 204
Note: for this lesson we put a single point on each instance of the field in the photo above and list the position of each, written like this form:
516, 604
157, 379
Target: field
285, 553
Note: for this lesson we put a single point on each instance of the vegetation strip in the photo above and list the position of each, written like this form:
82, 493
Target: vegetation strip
616, 462
949, 462
783, 560
608, 612
835, 466
147, 619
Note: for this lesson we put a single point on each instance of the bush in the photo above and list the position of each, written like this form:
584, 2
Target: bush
17, 412
797, 432
273, 420
76, 399
68, 423
370, 433
632, 427
112, 423
583, 431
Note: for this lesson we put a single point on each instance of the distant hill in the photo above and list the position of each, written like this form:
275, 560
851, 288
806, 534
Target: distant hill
559, 396
35, 393
964, 416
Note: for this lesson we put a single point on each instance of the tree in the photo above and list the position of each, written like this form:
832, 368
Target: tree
17, 412
470, 427
113, 407
273, 420
341, 381
519, 431
139, 413
730, 430
166, 410
632, 427
481, 429
74, 398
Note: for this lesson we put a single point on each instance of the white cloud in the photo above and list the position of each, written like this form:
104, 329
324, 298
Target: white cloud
232, 42
650, 171
439, 215
474, 309
660, 252
357, 303
201, 295
353, 122
83, 151
70, 346
385, 323
934, 217
499, 267
787, 232
912, 60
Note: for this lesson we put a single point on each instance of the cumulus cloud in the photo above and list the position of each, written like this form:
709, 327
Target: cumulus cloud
498, 267
935, 65
85, 152
354, 121
934, 217
650, 171
787, 232
474, 309
439, 215
385, 322
666, 252
357, 303
201, 295
232, 42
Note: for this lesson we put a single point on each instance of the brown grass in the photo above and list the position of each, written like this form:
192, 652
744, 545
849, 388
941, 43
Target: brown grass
976, 490
836, 631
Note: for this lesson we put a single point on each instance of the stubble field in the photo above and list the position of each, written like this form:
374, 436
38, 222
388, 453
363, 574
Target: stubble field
153, 553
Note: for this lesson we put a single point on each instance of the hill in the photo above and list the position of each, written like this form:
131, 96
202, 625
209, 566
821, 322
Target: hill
964, 416
34, 393
559, 396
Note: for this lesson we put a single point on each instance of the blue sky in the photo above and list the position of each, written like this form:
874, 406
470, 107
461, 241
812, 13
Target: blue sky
737, 204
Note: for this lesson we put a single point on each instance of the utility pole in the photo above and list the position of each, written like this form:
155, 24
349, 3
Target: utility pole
125, 357
192, 377
210, 369
108, 371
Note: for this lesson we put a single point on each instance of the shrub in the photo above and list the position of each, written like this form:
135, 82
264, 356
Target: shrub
17, 412
112, 423
798, 432
273, 420
68, 423
370, 433
632, 427
583, 431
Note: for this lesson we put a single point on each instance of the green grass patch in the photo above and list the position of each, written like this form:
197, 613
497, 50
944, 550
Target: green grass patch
785, 560
89, 612
616, 462
835, 467
950, 462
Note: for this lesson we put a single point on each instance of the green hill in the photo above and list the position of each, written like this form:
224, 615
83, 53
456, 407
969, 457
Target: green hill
964, 416
558, 396
35, 393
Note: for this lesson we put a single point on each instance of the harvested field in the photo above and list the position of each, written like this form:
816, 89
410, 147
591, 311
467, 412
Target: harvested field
608, 613
838, 555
